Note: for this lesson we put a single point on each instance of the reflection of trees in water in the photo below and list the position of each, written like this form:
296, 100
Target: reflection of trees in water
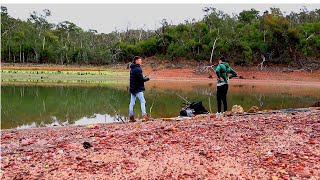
260, 96
28, 104
22, 92
210, 93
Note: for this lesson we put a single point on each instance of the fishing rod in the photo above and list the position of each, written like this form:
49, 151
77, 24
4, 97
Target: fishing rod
183, 98
114, 110
154, 100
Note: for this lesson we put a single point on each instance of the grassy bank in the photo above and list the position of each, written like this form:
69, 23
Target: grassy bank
91, 74
62, 76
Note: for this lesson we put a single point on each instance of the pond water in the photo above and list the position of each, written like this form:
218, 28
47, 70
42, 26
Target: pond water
34, 105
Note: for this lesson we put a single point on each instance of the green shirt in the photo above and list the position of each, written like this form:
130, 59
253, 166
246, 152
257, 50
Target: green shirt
222, 71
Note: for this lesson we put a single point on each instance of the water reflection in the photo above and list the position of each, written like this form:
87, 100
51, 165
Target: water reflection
25, 106
96, 119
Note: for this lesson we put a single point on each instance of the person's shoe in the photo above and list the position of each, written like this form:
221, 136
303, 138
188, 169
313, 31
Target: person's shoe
218, 114
145, 117
132, 119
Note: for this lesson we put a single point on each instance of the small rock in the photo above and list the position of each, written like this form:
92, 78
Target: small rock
305, 175
144, 153
170, 128
87, 145
291, 174
210, 170
237, 109
217, 148
253, 109
311, 141
269, 153
202, 152
6, 136
140, 141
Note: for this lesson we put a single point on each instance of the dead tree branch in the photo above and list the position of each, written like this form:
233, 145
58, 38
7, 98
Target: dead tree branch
310, 36
261, 64
214, 45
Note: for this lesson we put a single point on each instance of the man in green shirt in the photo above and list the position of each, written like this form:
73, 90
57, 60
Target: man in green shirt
222, 71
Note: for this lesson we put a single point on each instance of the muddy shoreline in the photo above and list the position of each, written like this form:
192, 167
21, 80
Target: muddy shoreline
265, 146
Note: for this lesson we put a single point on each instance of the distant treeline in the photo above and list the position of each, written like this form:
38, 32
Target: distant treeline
244, 39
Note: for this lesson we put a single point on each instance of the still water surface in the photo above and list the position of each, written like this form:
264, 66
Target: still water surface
25, 106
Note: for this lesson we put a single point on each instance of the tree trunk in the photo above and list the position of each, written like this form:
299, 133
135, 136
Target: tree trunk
43, 42
261, 64
294, 56
199, 47
20, 53
214, 44
213, 47
23, 57
61, 58
9, 54
140, 35
36, 56
67, 60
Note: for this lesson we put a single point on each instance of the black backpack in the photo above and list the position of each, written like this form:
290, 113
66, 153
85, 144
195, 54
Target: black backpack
195, 107
198, 108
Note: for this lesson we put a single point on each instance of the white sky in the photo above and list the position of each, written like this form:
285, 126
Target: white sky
106, 17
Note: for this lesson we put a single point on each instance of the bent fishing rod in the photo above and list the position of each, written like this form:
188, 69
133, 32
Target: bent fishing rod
111, 106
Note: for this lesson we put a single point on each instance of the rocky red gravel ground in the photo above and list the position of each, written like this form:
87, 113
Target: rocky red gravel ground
265, 146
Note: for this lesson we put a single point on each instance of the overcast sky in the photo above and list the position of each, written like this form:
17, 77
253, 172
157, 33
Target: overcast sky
105, 18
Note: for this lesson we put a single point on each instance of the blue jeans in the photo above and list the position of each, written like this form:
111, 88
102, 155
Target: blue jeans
133, 101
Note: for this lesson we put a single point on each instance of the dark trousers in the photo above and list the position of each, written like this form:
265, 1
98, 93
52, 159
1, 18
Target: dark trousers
222, 96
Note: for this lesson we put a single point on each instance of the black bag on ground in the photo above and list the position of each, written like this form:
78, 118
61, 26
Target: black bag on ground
192, 109
186, 112
198, 108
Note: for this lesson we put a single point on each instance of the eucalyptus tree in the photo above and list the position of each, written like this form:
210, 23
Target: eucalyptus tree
41, 27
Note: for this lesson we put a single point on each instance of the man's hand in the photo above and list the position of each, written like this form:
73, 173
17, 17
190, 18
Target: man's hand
146, 78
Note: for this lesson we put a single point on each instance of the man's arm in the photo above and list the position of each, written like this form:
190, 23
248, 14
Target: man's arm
140, 76
233, 73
